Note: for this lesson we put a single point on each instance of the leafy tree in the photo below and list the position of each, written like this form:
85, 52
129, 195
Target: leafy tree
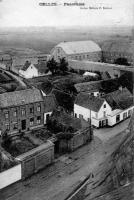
52, 65
63, 65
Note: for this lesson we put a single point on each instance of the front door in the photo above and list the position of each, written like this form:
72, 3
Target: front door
23, 124
104, 122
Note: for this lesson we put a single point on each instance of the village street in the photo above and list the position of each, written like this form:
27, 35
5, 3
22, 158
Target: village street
58, 180
104, 134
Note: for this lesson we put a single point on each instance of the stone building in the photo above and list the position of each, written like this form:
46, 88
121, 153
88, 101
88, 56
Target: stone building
118, 52
21, 111
77, 50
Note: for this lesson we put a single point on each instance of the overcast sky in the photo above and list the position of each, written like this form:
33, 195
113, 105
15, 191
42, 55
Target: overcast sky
29, 13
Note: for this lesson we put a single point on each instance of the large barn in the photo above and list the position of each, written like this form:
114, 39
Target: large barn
77, 50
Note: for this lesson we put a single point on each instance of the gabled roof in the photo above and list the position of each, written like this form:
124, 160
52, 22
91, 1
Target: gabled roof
25, 67
20, 97
92, 86
49, 103
90, 102
119, 99
101, 85
77, 47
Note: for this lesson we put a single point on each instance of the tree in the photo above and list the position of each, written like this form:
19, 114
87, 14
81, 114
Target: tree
63, 65
52, 65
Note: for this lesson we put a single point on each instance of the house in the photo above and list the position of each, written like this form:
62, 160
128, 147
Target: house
77, 50
21, 111
107, 110
30, 70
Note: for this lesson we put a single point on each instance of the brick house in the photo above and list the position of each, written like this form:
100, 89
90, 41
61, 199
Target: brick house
21, 111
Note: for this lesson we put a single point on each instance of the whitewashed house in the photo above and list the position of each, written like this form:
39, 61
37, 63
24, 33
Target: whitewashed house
107, 111
30, 70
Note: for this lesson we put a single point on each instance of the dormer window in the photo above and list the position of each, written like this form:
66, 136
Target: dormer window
104, 105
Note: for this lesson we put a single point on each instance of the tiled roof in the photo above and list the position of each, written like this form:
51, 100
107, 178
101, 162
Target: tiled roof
88, 101
49, 103
121, 99
77, 47
20, 97
27, 64
92, 86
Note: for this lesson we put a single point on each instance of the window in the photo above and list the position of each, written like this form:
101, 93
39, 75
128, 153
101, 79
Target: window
23, 111
38, 108
31, 121
31, 110
129, 112
104, 105
6, 114
15, 113
80, 116
15, 125
124, 115
117, 118
75, 115
38, 119
7, 126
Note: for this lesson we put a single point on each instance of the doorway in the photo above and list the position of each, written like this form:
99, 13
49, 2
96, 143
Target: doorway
23, 124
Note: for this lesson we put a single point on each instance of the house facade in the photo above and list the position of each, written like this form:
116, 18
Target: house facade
77, 50
21, 111
107, 111
29, 71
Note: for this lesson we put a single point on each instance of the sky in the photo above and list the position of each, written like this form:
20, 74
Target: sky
16, 13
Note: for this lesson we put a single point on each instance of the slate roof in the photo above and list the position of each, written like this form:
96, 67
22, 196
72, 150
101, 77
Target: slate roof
88, 101
77, 47
20, 97
49, 103
119, 99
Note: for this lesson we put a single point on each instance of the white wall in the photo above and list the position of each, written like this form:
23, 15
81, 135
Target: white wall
112, 119
83, 111
30, 72
107, 110
45, 114
10, 176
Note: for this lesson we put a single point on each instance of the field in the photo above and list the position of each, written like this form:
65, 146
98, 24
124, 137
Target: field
45, 38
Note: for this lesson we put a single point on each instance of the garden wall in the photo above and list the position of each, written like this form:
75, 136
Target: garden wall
10, 176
